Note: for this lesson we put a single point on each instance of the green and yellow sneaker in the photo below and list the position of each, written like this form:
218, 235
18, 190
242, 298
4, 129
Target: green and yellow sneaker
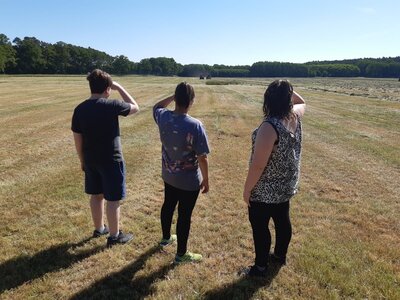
188, 257
166, 242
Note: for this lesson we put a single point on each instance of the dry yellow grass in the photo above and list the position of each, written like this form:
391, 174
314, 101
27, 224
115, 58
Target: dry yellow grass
346, 224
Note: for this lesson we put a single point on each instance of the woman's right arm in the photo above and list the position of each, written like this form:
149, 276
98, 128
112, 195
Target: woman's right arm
299, 105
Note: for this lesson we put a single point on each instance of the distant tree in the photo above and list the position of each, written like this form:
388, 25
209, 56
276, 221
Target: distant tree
87, 59
334, 70
7, 54
122, 65
4, 40
144, 67
49, 55
193, 70
368, 67
100, 60
63, 62
163, 66
179, 68
362, 64
157, 70
80, 61
230, 72
383, 70
29, 55
278, 69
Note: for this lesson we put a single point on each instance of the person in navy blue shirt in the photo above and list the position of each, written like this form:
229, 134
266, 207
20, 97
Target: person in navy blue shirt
98, 144
184, 166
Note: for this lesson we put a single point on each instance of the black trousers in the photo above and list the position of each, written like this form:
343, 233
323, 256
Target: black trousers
187, 201
259, 215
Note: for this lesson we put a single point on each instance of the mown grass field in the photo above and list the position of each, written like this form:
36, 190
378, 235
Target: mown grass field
346, 225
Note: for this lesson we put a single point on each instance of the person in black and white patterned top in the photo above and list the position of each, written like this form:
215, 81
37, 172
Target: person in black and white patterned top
273, 174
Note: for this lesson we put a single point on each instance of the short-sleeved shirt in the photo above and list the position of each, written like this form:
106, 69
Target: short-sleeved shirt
97, 121
280, 178
183, 139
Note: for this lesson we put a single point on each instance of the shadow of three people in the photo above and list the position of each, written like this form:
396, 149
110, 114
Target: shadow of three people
121, 284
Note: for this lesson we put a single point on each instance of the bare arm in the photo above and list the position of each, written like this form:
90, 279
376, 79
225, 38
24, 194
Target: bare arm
264, 144
203, 163
126, 97
78, 139
299, 105
165, 102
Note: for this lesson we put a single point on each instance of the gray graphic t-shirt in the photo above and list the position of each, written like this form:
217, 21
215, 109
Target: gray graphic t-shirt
183, 139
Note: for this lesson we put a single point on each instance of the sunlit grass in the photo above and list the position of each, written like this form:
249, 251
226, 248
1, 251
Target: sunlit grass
345, 218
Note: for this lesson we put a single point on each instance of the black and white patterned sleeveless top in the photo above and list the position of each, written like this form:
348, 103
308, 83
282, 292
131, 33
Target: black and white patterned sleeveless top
280, 178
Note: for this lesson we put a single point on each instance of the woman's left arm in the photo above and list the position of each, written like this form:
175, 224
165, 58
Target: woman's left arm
203, 164
264, 144
299, 105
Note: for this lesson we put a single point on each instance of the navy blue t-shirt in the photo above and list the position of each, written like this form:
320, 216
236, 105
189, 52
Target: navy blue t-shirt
97, 121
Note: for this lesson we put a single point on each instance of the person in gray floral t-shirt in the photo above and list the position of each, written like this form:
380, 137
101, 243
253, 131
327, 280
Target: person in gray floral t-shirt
184, 166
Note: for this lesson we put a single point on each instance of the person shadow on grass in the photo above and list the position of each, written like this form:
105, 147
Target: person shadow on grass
244, 287
24, 268
123, 284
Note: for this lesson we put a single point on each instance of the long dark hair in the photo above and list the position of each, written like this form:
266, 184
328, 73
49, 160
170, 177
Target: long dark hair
278, 99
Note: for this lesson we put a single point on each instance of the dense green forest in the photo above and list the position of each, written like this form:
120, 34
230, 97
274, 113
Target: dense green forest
32, 56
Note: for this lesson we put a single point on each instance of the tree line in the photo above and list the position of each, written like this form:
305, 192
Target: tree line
32, 56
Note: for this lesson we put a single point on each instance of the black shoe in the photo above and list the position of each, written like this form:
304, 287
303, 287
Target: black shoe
97, 233
254, 271
122, 238
279, 260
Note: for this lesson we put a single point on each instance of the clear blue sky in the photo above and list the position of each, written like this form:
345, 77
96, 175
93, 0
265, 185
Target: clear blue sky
231, 32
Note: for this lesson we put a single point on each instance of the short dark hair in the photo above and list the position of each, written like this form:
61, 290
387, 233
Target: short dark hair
99, 81
184, 94
278, 99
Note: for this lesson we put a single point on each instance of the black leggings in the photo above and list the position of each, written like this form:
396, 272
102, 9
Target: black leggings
187, 201
259, 215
